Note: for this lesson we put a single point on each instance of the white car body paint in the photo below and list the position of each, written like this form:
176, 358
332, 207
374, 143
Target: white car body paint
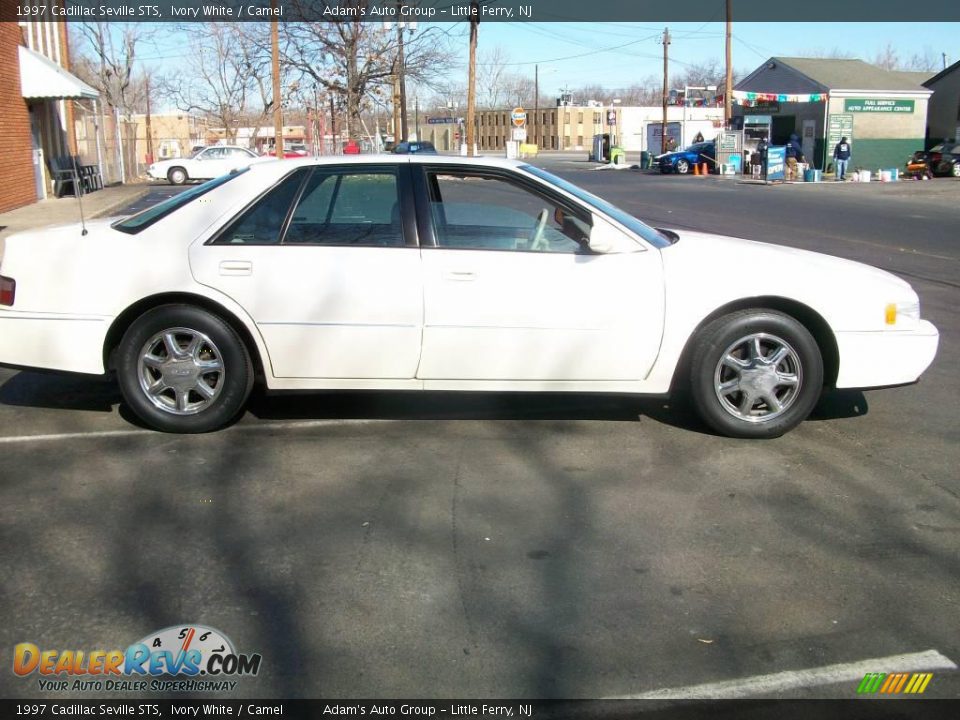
203, 165
444, 319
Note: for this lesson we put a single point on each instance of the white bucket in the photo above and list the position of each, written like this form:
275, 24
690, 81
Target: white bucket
886, 176
864, 176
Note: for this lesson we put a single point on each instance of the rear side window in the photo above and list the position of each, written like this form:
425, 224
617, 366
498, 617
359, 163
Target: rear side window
262, 223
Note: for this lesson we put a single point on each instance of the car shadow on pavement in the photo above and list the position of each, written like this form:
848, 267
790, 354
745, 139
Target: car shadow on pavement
74, 392
838, 404
60, 392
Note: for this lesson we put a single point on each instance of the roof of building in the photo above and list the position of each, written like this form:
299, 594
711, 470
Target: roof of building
942, 74
832, 74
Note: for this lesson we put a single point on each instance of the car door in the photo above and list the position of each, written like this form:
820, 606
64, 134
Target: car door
512, 293
329, 270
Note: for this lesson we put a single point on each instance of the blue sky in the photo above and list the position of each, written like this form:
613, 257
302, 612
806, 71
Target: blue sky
546, 43
619, 54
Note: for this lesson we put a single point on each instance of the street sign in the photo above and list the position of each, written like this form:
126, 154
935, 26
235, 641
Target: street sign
520, 134
441, 121
611, 117
518, 117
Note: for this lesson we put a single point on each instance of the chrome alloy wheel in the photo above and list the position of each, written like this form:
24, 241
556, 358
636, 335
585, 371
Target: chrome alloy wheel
181, 371
758, 377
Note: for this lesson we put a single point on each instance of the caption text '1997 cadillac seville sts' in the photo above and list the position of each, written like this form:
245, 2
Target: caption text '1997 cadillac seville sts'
433, 273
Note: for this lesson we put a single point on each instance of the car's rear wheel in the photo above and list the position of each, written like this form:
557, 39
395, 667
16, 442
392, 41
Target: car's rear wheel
955, 170
683, 167
755, 374
177, 176
182, 369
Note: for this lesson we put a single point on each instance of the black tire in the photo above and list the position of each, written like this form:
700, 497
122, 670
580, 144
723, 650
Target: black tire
683, 167
216, 344
177, 176
955, 169
738, 398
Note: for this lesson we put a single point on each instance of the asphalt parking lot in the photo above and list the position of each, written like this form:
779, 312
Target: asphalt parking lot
386, 545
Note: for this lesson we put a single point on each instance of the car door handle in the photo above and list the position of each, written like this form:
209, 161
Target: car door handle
460, 275
236, 267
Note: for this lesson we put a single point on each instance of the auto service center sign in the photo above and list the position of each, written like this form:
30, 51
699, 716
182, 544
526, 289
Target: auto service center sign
877, 105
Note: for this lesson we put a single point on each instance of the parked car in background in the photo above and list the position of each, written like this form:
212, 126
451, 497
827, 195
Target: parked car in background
425, 273
413, 147
942, 159
208, 163
682, 161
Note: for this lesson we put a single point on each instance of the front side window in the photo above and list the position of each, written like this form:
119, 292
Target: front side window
348, 207
474, 210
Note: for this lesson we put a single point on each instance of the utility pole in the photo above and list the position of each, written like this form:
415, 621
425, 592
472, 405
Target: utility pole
472, 75
149, 128
397, 135
666, 89
402, 81
277, 110
536, 103
944, 60
333, 126
728, 85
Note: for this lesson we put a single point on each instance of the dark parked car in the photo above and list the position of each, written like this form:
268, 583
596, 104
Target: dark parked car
421, 148
682, 161
942, 159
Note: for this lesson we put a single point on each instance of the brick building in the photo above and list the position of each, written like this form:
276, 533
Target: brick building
36, 93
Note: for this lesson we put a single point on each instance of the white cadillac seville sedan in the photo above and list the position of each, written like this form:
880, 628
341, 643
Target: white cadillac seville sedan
434, 273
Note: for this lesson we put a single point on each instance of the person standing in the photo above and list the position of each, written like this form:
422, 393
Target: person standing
841, 156
794, 155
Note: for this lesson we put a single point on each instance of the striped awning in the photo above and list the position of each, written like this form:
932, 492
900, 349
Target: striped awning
41, 78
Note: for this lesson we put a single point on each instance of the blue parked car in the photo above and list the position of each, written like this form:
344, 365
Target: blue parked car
682, 161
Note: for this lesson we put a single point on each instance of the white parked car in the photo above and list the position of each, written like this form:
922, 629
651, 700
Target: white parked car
205, 164
442, 273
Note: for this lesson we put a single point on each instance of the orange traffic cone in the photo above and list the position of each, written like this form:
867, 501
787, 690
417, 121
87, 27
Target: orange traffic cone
704, 170
696, 169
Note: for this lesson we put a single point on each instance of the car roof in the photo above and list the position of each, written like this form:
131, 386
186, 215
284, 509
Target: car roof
389, 159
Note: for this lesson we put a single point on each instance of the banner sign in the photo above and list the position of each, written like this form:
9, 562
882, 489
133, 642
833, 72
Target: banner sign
878, 105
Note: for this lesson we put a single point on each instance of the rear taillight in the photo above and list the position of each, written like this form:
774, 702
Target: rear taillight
8, 290
936, 157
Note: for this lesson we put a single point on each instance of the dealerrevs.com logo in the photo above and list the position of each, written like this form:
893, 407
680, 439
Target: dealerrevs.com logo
182, 658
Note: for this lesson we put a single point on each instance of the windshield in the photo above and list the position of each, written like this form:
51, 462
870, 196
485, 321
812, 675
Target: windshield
146, 218
651, 235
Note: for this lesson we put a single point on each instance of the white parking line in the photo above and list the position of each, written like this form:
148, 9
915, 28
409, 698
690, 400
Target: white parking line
294, 425
772, 685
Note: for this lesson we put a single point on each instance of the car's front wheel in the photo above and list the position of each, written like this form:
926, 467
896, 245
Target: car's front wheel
955, 169
683, 167
177, 176
755, 374
182, 369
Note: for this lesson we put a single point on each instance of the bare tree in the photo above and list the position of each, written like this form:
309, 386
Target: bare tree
106, 59
887, 58
834, 53
226, 75
350, 58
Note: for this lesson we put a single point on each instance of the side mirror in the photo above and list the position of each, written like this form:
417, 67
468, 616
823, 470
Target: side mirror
607, 239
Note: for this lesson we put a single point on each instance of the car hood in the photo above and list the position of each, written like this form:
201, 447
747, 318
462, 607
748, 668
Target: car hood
721, 269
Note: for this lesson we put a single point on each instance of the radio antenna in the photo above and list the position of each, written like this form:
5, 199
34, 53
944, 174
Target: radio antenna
78, 191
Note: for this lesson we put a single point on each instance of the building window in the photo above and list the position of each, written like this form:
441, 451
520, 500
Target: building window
580, 118
580, 140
